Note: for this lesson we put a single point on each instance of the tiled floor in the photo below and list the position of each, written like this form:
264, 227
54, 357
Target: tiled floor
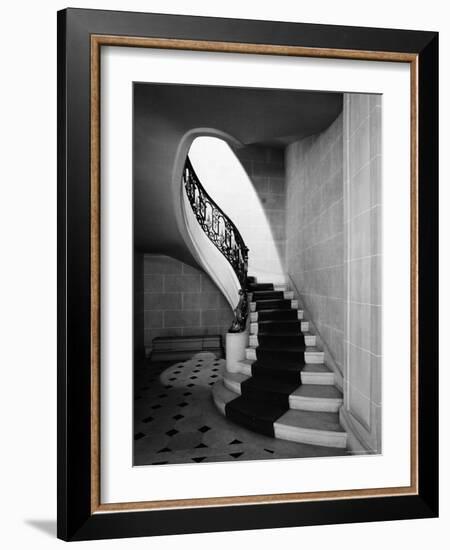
176, 421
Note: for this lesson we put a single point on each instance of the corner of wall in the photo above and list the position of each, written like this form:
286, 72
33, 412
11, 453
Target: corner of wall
355, 443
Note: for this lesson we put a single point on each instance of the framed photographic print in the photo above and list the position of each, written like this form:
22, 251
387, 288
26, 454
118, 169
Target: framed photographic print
247, 249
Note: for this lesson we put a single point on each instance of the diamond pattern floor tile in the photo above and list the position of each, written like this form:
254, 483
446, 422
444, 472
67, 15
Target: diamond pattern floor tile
176, 421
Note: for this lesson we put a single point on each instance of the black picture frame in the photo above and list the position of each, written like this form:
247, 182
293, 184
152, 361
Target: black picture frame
76, 520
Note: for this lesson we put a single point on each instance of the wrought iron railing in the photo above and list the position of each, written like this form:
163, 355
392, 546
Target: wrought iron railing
222, 232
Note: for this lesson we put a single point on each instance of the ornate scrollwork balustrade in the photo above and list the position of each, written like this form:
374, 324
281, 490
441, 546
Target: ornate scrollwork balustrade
222, 232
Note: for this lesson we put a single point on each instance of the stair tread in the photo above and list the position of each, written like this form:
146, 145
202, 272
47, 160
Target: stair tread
276, 314
285, 342
318, 391
310, 367
260, 287
316, 367
282, 322
274, 300
262, 295
223, 393
324, 421
292, 366
282, 347
282, 337
292, 330
246, 362
256, 408
291, 373
271, 385
235, 376
271, 355
313, 349
266, 312
273, 304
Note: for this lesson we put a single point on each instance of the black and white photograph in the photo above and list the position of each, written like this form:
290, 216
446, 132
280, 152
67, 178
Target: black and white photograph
223, 275
257, 291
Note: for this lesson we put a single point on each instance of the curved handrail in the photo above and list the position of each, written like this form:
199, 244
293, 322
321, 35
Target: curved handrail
222, 232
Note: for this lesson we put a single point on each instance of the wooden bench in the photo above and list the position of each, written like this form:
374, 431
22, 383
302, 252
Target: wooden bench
181, 348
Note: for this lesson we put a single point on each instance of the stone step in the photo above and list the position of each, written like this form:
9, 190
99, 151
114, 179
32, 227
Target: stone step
312, 355
243, 367
254, 314
261, 285
233, 381
264, 386
293, 305
222, 395
313, 397
306, 397
310, 340
280, 288
255, 327
318, 374
259, 295
315, 428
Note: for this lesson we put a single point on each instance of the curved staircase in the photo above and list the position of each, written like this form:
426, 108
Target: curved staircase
282, 388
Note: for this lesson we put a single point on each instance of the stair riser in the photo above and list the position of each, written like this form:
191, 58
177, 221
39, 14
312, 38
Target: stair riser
311, 437
317, 378
314, 357
219, 404
310, 340
314, 404
294, 305
242, 368
287, 294
254, 424
232, 385
267, 397
254, 315
280, 288
264, 395
311, 357
254, 327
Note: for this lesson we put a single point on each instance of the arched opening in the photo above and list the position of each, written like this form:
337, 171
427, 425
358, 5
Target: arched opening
227, 182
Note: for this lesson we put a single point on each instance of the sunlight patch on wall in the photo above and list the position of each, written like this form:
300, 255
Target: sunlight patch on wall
228, 184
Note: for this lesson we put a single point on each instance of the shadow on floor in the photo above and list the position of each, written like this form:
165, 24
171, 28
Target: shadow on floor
46, 526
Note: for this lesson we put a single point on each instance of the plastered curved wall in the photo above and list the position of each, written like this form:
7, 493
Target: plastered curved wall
209, 257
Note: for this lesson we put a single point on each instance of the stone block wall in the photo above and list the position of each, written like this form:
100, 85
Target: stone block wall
333, 254
180, 300
315, 234
363, 256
